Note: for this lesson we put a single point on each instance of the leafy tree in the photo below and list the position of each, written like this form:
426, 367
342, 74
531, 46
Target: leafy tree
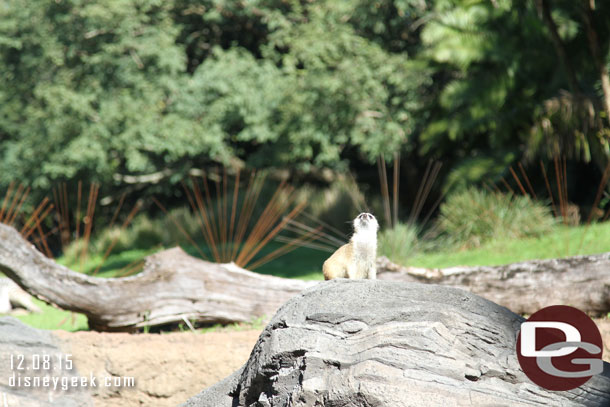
134, 87
87, 86
517, 77
142, 91
328, 88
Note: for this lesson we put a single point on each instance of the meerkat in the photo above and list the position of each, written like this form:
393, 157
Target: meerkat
356, 260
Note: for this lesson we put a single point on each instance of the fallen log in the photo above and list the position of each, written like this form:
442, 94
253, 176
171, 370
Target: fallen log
581, 281
173, 287
386, 344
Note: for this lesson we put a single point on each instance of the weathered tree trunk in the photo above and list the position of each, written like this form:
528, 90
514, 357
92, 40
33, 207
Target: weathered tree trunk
388, 344
173, 286
582, 282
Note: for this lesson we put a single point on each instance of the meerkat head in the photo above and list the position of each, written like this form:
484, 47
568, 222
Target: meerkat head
365, 222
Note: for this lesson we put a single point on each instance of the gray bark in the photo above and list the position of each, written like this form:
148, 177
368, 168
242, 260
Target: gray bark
173, 286
380, 343
582, 282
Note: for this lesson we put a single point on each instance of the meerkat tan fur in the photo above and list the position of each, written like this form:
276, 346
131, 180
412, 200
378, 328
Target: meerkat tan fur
355, 260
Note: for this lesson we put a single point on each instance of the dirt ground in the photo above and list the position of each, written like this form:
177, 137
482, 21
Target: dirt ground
170, 368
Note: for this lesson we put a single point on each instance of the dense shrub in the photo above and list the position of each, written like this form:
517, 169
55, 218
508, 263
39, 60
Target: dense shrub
113, 238
144, 233
472, 217
399, 243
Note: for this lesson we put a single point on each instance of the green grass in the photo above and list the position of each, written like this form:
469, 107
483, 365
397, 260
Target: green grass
564, 241
255, 324
53, 318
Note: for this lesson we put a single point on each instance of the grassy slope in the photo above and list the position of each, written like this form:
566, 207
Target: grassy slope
307, 263
564, 241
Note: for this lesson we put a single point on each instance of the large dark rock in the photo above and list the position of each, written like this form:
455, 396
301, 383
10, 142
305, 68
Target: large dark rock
16, 340
381, 343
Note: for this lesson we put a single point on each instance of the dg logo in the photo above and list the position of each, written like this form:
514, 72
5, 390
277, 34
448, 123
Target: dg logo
560, 348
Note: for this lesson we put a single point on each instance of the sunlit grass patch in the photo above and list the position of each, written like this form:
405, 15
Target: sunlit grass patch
562, 241
52, 318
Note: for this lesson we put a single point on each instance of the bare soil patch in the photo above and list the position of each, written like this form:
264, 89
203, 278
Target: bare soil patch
168, 368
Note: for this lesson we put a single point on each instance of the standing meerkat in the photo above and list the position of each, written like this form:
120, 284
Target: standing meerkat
356, 260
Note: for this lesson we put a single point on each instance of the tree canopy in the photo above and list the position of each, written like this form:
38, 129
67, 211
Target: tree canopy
100, 91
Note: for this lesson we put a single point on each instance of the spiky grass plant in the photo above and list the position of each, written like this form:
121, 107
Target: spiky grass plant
74, 225
236, 223
12, 203
400, 241
563, 210
11, 215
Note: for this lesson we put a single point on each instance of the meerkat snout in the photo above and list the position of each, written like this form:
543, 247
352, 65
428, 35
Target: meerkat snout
365, 220
356, 260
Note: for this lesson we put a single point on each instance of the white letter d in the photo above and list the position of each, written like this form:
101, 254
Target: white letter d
528, 338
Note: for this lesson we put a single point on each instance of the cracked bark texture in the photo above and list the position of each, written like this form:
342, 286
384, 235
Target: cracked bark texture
580, 281
384, 343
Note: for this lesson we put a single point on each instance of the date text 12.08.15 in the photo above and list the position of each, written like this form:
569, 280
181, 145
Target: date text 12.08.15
41, 362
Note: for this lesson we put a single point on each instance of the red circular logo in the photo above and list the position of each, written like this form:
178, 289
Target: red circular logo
560, 348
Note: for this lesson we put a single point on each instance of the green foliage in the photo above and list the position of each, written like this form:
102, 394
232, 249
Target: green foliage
486, 167
346, 90
86, 89
472, 217
143, 233
170, 234
399, 243
107, 92
503, 85
496, 58
115, 239
132, 87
